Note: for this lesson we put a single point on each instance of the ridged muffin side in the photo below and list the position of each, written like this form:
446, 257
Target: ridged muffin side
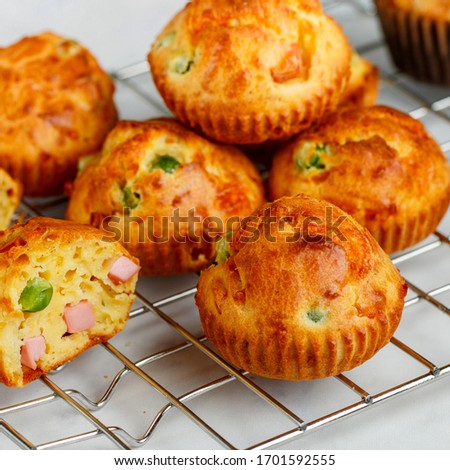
296, 300
249, 72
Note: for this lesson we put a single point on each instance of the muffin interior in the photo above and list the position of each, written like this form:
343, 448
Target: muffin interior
77, 271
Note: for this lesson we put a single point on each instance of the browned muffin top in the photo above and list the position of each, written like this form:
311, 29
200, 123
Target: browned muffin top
182, 189
372, 162
230, 64
157, 166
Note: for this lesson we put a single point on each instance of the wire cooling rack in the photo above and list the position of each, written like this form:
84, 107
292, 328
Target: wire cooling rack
159, 384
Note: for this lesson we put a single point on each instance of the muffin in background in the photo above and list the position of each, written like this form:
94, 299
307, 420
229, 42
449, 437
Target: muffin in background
56, 106
166, 193
10, 194
362, 87
417, 33
377, 164
301, 292
250, 72
65, 288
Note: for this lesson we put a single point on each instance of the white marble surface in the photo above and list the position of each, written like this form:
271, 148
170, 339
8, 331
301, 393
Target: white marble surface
119, 32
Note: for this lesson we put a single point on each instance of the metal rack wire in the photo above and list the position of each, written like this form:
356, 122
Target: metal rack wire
178, 397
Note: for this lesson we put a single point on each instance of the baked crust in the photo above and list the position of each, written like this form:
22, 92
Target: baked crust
362, 87
380, 165
305, 302
211, 180
248, 72
438, 9
10, 194
75, 259
57, 105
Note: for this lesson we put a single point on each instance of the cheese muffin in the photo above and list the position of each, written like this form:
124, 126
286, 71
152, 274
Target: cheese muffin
64, 288
417, 33
362, 87
248, 72
378, 164
10, 194
166, 193
301, 292
56, 105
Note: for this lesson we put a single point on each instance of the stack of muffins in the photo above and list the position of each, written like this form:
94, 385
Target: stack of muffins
295, 282
301, 290
418, 36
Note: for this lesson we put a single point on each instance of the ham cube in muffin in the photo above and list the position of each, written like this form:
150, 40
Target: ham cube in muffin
58, 298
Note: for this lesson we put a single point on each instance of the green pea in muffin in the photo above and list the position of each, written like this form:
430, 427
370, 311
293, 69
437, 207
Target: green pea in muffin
300, 292
166, 193
377, 164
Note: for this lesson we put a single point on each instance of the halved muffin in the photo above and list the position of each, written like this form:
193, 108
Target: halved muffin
301, 291
166, 193
377, 164
57, 105
64, 288
249, 72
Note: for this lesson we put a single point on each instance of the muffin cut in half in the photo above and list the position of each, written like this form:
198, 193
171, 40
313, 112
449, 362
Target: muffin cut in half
249, 72
301, 292
10, 194
64, 288
56, 105
165, 193
377, 164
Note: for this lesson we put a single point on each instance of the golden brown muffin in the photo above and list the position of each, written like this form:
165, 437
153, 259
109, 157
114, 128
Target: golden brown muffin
10, 194
378, 164
248, 72
56, 105
166, 193
362, 87
417, 33
64, 288
301, 292
361, 90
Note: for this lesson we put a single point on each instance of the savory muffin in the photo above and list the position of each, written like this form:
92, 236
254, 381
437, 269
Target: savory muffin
361, 90
378, 164
301, 292
64, 288
165, 193
417, 33
248, 72
10, 193
56, 104
362, 87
